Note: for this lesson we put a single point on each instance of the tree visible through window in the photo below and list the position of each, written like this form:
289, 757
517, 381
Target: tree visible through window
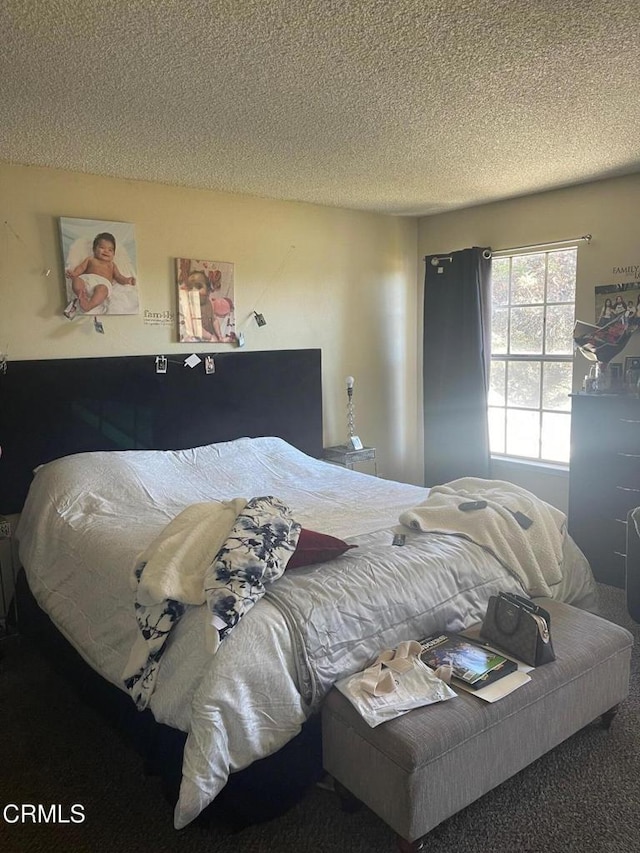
533, 308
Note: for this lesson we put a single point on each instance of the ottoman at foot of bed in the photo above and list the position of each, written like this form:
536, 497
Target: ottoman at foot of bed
413, 771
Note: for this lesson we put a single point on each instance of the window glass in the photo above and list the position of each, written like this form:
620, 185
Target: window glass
527, 279
497, 429
499, 330
523, 387
500, 281
559, 329
525, 335
533, 314
556, 430
556, 378
561, 276
523, 433
497, 386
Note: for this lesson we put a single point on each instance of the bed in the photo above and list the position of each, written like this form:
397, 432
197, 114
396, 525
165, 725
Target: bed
88, 516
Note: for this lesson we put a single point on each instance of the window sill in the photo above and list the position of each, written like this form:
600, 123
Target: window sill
552, 468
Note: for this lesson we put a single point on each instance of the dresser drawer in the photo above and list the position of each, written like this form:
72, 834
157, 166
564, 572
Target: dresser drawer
628, 434
623, 498
618, 537
623, 470
615, 570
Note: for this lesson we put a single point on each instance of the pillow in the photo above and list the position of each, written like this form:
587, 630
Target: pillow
315, 547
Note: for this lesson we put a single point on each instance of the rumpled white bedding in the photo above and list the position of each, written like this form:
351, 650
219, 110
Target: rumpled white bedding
88, 517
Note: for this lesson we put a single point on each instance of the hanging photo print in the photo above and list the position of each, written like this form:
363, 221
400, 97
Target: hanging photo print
617, 318
205, 301
99, 267
614, 301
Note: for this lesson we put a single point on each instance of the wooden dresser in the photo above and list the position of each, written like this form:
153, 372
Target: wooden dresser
605, 479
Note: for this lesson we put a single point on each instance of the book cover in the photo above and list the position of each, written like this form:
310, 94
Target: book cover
471, 663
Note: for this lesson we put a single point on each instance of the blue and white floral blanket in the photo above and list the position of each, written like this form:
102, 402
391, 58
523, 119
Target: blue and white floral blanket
219, 552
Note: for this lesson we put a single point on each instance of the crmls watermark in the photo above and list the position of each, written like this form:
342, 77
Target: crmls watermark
39, 813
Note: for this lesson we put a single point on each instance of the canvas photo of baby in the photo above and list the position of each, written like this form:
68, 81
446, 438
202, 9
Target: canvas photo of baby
99, 267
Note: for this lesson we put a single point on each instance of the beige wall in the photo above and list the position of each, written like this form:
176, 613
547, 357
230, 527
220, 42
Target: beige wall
608, 210
347, 282
340, 280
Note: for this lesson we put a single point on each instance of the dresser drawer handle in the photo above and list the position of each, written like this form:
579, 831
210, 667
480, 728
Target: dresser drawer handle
621, 521
629, 455
627, 489
620, 554
629, 421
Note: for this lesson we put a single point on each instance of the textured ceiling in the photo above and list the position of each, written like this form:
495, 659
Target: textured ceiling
407, 107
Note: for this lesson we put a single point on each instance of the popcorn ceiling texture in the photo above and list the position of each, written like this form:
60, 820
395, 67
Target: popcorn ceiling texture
401, 107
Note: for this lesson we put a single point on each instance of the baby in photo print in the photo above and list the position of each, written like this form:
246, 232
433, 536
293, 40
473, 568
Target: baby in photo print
92, 278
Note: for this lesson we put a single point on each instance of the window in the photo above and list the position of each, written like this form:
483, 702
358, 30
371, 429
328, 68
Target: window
533, 308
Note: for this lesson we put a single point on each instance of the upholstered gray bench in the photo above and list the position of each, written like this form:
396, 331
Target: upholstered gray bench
421, 768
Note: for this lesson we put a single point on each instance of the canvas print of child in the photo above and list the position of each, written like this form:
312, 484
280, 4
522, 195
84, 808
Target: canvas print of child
206, 310
99, 267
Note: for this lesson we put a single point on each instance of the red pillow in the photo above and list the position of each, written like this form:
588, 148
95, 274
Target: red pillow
315, 547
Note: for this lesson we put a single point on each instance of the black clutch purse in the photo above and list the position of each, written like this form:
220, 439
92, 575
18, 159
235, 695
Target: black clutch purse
518, 627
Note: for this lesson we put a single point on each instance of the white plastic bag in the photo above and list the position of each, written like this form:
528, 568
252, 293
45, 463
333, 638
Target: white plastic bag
394, 684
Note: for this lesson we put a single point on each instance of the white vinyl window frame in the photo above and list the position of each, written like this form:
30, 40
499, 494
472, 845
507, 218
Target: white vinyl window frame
499, 434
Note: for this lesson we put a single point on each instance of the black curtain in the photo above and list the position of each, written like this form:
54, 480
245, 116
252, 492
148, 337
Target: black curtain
456, 360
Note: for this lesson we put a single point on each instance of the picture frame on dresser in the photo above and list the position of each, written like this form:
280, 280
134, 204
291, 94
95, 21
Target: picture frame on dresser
632, 373
616, 376
632, 362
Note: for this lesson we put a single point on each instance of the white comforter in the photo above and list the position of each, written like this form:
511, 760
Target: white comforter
88, 517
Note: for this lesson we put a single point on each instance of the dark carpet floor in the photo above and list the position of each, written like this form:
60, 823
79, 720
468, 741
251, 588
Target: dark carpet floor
583, 797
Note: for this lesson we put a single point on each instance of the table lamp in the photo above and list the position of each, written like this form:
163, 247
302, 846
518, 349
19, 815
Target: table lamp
353, 442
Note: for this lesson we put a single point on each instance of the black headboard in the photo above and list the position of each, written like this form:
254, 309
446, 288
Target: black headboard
56, 407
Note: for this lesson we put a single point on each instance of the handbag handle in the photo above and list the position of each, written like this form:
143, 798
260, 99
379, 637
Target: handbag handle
502, 628
528, 605
519, 601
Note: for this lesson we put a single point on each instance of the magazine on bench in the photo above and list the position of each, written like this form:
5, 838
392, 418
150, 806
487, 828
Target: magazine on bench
472, 665
497, 683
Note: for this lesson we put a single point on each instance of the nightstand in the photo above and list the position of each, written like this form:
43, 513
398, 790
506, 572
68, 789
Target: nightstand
345, 456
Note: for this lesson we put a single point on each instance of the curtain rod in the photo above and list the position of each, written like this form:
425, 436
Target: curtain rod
488, 253
585, 237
